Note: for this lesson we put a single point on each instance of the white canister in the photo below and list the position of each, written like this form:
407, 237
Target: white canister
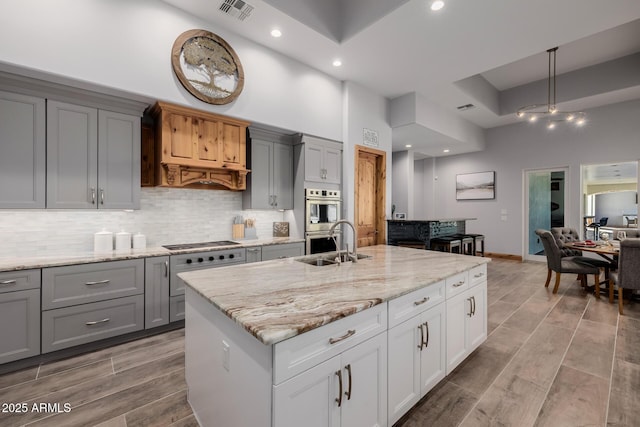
139, 241
123, 241
103, 241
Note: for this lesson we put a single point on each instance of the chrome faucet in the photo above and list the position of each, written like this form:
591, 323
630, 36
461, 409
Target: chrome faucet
332, 230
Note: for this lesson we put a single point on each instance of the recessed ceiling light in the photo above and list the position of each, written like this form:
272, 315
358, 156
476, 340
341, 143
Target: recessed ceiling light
276, 33
437, 5
337, 63
408, 146
446, 150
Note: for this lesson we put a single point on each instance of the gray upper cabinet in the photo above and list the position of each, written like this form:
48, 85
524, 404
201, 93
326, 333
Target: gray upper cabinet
22, 151
118, 160
72, 156
322, 161
270, 183
93, 158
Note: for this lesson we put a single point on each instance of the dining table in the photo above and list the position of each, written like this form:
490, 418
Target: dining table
606, 249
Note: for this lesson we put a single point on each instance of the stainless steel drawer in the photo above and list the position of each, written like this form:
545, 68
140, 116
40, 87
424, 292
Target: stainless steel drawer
71, 326
19, 280
84, 283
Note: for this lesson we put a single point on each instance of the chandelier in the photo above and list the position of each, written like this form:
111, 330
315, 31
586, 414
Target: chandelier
549, 111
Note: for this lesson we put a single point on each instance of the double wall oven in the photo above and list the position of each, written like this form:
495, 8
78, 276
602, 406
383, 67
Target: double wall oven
322, 209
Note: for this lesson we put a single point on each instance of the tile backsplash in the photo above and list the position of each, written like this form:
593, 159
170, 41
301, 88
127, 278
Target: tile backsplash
166, 216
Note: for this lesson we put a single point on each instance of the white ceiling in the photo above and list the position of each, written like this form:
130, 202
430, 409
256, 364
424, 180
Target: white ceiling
613, 173
485, 53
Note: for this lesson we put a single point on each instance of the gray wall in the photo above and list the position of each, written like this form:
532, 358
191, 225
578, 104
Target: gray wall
612, 134
615, 205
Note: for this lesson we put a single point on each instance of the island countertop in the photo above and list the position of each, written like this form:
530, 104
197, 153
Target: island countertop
279, 299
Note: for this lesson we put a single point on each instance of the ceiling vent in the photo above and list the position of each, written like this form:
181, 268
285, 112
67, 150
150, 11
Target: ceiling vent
466, 107
236, 8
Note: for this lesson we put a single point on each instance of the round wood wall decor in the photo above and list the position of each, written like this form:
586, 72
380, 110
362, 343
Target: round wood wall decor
207, 67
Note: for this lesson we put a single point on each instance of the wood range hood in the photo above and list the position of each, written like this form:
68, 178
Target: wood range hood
198, 149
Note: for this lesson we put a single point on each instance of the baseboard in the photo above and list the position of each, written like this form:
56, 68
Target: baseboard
504, 256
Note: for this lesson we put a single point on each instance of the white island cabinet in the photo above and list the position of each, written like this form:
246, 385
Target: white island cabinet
285, 343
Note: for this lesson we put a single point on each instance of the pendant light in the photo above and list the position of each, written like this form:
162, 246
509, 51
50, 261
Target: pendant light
549, 112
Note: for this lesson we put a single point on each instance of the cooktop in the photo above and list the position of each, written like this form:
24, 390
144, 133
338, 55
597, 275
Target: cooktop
201, 245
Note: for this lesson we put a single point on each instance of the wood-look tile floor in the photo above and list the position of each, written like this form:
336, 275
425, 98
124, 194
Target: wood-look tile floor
550, 360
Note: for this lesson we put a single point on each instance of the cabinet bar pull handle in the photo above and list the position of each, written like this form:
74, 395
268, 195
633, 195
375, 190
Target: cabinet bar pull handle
99, 282
102, 196
422, 301
348, 392
421, 337
470, 308
93, 196
344, 337
473, 299
460, 283
105, 320
166, 269
8, 282
426, 342
339, 398
478, 275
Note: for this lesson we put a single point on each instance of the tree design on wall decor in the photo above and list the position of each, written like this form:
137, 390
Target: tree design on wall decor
207, 67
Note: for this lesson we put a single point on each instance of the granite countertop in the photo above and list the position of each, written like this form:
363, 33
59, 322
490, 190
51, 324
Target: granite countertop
55, 260
279, 299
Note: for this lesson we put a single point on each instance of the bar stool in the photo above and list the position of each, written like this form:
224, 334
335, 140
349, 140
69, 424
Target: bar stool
467, 243
478, 242
446, 244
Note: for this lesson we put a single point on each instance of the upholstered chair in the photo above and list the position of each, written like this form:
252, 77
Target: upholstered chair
628, 274
566, 235
569, 264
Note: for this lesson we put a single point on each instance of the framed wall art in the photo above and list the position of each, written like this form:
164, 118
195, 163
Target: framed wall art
207, 67
476, 186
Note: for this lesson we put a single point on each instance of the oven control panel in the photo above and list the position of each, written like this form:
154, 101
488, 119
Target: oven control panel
322, 194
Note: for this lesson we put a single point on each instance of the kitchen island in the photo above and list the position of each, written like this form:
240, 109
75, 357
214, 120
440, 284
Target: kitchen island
288, 343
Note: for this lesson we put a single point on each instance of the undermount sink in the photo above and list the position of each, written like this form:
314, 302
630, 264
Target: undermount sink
329, 259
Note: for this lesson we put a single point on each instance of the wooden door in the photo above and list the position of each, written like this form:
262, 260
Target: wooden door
370, 196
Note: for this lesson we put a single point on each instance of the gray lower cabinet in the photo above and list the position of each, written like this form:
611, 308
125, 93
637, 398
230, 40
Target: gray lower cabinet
176, 308
84, 283
81, 324
22, 151
285, 250
19, 315
89, 302
156, 292
93, 158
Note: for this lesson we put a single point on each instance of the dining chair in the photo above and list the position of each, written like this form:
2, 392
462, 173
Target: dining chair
628, 274
568, 264
632, 221
566, 235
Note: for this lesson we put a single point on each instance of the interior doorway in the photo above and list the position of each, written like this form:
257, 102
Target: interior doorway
546, 205
370, 197
610, 197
